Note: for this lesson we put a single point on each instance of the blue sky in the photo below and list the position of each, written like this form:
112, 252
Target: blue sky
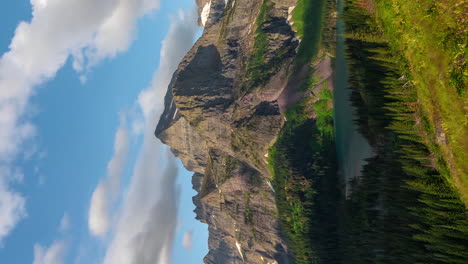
78, 133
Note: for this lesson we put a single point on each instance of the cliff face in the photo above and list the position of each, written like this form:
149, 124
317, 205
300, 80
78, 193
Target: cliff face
220, 124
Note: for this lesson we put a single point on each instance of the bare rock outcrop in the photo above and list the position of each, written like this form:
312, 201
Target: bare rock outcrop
220, 121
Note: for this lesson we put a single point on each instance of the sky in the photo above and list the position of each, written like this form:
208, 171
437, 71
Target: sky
82, 177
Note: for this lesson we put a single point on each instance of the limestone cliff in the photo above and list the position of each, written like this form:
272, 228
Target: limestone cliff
220, 121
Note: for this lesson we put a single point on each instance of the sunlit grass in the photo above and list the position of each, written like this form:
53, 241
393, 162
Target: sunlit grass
432, 36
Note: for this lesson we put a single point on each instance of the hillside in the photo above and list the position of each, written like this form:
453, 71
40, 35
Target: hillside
252, 111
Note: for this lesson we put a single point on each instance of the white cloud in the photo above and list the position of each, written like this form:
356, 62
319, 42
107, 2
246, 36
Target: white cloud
12, 207
165, 253
98, 219
89, 31
64, 223
108, 189
147, 223
148, 218
55, 254
176, 44
187, 240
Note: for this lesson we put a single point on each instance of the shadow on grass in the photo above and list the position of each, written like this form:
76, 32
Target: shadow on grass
308, 19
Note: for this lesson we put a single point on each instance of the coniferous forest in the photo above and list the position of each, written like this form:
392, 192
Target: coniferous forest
409, 203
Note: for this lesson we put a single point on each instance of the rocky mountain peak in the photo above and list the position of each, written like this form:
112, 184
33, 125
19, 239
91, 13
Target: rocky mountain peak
220, 121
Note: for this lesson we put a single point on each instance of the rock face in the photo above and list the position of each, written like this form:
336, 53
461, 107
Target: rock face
221, 126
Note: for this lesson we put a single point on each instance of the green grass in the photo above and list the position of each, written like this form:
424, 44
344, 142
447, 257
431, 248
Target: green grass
412, 183
257, 59
302, 164
228, 15
432, 37
322, 107
324, 112
310, 82
302, 161
308, 23
256, 72
297, 114
410, 74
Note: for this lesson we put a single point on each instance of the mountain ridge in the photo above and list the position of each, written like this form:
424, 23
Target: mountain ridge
221, 125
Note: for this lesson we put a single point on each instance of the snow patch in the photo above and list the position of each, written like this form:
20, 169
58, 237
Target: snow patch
205, 13
263, 260
290, 11
271, 186
290, 15
238, 245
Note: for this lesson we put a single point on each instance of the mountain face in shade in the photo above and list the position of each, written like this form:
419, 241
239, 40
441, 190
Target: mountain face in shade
220, 121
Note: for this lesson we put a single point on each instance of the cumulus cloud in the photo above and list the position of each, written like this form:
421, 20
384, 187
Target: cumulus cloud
146, 226
86, 30
54, 254
12, 207
187, 240
108, 189
176, 44
147, 221
98, 219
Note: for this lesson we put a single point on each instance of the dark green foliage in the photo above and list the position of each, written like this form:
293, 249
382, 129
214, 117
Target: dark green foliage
248, 215
258, 69
254, 178
209, 180
401, 210
308, 22
324, 112
257, 59
231, 164
432, 38
303, 158
306, 185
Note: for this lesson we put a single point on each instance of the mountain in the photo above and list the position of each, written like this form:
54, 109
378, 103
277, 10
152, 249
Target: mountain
266, 109
221, 122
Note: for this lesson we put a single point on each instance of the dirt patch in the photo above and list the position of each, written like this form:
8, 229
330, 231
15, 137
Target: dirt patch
291, 94
324, 73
